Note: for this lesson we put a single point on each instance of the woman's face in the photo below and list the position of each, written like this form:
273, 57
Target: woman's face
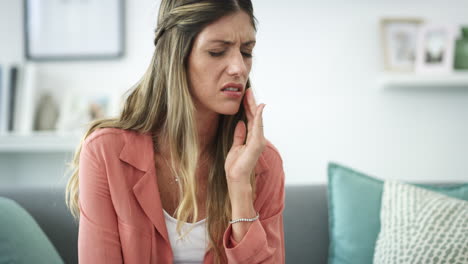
221, 58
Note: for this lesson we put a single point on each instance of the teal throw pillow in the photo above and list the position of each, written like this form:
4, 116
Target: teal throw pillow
354, 200
21, 238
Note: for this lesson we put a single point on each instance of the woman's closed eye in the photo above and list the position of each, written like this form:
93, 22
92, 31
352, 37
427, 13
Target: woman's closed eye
221, 53
247, 55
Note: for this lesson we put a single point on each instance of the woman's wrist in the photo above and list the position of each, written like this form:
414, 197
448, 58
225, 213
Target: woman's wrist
242, 207
241, 197
239, 191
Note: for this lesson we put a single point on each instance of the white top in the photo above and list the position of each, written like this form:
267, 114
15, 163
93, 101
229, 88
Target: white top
192, 248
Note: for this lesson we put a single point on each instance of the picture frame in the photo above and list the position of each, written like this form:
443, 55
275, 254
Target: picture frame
56, 30
77, 110
399, 43
436, 44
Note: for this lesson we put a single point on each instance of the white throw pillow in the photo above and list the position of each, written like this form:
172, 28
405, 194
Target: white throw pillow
421, 226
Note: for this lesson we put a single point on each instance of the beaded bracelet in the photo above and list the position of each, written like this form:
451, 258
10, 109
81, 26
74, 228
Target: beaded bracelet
244, 219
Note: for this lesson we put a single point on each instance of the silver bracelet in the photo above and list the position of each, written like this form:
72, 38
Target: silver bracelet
244, 219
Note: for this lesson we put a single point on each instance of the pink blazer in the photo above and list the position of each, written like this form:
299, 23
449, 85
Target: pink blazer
122, 221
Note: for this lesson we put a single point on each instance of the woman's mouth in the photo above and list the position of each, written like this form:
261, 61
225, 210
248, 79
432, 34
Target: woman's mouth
232, 92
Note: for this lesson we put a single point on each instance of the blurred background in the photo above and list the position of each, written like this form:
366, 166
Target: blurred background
381, 86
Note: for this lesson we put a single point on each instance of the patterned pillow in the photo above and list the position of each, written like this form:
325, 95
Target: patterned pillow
421, 226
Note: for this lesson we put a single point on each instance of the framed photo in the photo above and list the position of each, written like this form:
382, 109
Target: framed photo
435, 49
399, 42
73, 29
77, 110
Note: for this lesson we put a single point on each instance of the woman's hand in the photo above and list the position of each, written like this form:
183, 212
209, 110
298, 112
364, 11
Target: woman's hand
242, 158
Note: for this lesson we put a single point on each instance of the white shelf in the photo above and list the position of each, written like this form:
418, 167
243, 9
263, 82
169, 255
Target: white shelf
458, 79
38, 143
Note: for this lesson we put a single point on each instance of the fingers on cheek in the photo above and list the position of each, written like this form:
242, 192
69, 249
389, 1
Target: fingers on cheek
247, 109
259, 111
252, 99
242, 129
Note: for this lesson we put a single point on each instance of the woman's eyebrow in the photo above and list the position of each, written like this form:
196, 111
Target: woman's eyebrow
229, 43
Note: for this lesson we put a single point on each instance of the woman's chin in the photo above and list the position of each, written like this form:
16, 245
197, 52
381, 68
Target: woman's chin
229, 110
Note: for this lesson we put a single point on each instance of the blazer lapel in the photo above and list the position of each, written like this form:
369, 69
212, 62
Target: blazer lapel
138, 152
147, 194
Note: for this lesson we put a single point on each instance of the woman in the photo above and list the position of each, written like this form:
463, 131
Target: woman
184, 174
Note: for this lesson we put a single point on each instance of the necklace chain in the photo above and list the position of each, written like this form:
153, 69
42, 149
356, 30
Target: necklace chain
176, 178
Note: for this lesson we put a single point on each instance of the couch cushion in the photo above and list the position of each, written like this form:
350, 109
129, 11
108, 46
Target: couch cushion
421, 226
21, 238
305, 224
354, 200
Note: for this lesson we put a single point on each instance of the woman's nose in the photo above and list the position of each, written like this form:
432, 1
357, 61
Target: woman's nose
237, 65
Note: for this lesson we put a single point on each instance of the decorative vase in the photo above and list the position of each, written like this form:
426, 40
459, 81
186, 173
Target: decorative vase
461, 51
47, 113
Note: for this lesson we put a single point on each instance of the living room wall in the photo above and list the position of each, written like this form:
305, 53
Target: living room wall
317, 66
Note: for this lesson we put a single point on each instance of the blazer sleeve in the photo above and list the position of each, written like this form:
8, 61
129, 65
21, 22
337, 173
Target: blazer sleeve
98, 236
264, 240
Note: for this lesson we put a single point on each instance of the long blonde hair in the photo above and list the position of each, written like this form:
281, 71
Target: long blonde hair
161, 103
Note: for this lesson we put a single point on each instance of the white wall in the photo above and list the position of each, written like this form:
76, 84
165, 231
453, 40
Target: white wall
316, 67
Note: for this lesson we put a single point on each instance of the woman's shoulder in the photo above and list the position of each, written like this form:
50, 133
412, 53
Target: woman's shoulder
102, 135
271, 151
109, 138
271, 156
270, 163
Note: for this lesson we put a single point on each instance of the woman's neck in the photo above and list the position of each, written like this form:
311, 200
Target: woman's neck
206, 125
